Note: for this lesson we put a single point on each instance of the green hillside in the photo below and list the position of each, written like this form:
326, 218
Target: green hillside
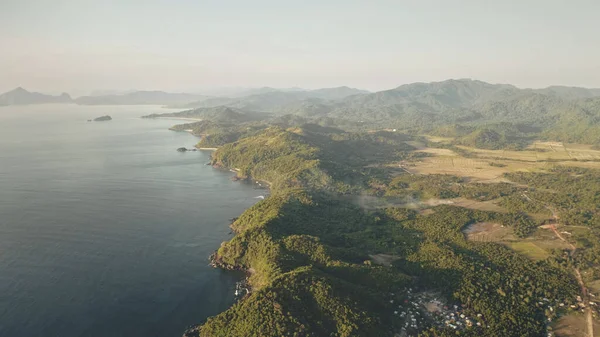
308, 250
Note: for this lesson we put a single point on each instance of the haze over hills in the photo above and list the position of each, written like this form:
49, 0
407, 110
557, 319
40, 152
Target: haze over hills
139, 98
417, 168
560, 113
265, 98
217, 114
20, 96
569, 92
268, 99
467, 99
564, 113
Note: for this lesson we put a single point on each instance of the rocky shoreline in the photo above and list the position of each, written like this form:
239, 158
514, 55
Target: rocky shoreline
243, 288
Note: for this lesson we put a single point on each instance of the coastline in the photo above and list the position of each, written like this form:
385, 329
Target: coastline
215, 260
177, 118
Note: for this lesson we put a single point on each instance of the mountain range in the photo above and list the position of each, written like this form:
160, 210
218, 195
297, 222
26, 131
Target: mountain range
267, 98
270, 99
20, 96
564, 113
140, 98
216, 114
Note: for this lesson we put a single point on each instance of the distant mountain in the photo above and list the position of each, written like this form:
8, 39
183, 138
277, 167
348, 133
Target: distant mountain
569, 92
255, 91
436, 95
477, 108
110, 92
20, 96
336, 93
216, 114
207, 103
272, 100
141, 98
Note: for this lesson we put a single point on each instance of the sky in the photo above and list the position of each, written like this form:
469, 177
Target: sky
79, 46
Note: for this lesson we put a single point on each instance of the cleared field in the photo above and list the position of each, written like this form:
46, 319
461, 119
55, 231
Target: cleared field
475, 168
416, 144
594, 286
584, 164
488, 232
551, 243
438, 152
529, 249
439, 139
540, 156
574, 325
383, 259
541, 151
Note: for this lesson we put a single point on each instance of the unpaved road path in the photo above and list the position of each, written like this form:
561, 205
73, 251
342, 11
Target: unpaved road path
586, 299
584, 293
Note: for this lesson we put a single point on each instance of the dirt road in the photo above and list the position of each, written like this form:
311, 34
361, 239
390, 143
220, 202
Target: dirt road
586, 299
584, 293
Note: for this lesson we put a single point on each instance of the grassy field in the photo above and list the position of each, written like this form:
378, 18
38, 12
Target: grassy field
477, 169
529, 249
573, 325
538, 157
542, 151
490, 206
595, 286
489, 166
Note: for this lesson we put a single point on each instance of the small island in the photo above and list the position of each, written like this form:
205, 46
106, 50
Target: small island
183, 149
103, 118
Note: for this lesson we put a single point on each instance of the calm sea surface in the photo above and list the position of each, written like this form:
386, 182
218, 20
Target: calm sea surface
105, 228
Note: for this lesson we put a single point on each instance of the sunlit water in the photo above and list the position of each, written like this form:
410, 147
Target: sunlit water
105, 228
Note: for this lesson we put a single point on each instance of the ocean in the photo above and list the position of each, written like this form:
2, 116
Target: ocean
105, 229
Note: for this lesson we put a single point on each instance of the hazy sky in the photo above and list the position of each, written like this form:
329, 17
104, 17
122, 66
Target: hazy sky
188, 45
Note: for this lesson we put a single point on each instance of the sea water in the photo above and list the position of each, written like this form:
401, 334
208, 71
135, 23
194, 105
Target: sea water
105, 229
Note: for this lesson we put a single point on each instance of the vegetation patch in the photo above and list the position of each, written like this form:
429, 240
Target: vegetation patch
487, 232
528, 249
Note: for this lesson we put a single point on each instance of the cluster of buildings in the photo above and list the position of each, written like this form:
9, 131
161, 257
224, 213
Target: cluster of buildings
418, 310
581, 305
424, 309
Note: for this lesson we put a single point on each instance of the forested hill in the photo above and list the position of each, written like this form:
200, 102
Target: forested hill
309, 251
474, 103
311, 157
216, 114
555, 113
270, 99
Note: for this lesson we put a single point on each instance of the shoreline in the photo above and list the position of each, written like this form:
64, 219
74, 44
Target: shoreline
215, 260
177, 118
